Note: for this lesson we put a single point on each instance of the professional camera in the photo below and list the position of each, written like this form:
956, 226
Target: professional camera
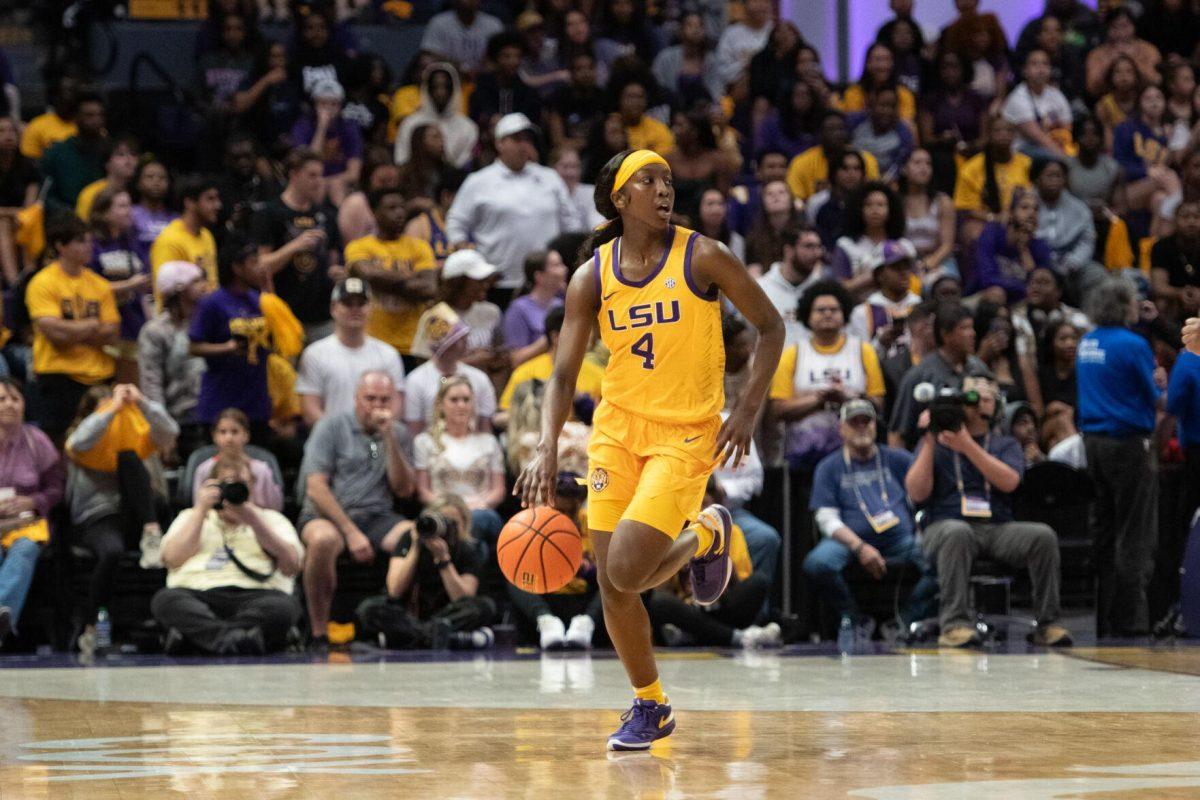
234, 493
946, 406
431, 524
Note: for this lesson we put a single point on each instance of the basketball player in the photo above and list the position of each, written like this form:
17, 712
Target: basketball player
654, 289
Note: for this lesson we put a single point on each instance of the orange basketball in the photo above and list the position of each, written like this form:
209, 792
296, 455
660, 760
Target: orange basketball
539, 550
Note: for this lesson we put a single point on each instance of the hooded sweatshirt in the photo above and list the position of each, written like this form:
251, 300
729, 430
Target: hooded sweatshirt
459, 132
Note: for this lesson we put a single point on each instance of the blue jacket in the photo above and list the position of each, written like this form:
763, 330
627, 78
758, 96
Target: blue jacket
1183, 398
1114, 369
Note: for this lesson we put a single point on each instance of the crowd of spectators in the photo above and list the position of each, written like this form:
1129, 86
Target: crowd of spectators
320, 338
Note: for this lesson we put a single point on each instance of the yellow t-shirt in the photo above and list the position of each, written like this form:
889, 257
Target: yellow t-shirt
54, 293
810, 170
591, 375
43, 131
783, 382
176, 243
390, 319
87, 198
650, 134
855, 99
968, 190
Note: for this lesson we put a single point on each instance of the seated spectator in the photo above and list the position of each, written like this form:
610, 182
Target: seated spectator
966, 478
696, 162
883, 134
574, 110
400, 270
1040, 112
1183, 402
624, 29
1063, 46
986, 182
150, 188
828, 209
115, 487
19, 176
790, 127
1092, 174
298, 243
808, 172
463, 285
540, 67
76, 161
1119, 97
447, 337
1175, 261
607, 139
1042, 307
1056, 364
57, 122
1121, 39
500, 90
228, 330
331, 367
168, 374
231, 570
525, 319
74, 317
879, 72
903, 37
930, 222
741, 41
819, 373
1065, 225
713, 221
567, 163
1021, 423
337, 140
460, 35
33, 471
432, 597
745, 199
188, 238
777, 213
118, 258
862, 512
120, 164
429, 225
880, 319
539, 368
1140, 147
642, 131
677, 620
441, 105
874, 217
1180, 89
1015, 375
739, 485
1008, 251
355, 465
231, 434
952, 116
1119, 391
690, 70
954, 337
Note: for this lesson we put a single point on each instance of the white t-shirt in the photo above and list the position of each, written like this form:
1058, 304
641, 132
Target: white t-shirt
330, 370
462, 466
421, 388
861, 322
1049, 109
785, 297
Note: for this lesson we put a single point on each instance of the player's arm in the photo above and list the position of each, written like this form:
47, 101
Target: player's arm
715, 265
535, 486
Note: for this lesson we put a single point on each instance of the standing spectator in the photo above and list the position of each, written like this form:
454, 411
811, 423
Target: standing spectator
1119, 390
298, 243
31, 466
441, 105
355, 465
525, 319
222, 70
501, 90
419, 178
802, 265
966, 479
624, 29
930, 222
335, 139
808, 173
712, 220
1121, 40
151, 186
690, 70
331, 367
354, 217
880, 319
57, 123
167, 371
765, 241
189, 238
447, 337
512, 206
231, 434
244, 191
270, 101
1056, 365
875, 216
1183, 401
231, 569
980, 40
74, 317
76, 161
1065, 225
1007, 252
883, 134
1140, 146
1040, 112
569, 166
742, 40
400, 270
19, 176
120, 164
1175, 260
461, 35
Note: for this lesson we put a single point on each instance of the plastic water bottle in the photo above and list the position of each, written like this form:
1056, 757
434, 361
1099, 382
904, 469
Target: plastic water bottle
103, 632
845, 640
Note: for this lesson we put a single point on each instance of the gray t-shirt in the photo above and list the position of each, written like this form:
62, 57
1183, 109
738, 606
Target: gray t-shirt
932, 369
1095, 182
355, 462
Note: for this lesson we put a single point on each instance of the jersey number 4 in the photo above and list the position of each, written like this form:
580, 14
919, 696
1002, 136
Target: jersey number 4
644, 347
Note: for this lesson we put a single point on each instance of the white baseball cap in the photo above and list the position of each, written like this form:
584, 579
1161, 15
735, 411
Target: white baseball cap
512, 124
175, 276
469, 264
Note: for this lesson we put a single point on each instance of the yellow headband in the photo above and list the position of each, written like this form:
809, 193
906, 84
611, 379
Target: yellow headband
633, 162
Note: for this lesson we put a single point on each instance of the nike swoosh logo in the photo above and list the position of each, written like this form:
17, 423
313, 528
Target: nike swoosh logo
664, 723
610, 294
690, 440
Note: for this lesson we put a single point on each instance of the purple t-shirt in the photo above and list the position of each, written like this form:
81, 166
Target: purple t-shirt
238, 380
118, 260
147, 225
343, 141
525, 321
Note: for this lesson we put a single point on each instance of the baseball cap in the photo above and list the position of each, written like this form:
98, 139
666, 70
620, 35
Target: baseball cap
351, 287
175, 276
439, 328
895, 251
469, 264
327, 88
512, 124
858, 408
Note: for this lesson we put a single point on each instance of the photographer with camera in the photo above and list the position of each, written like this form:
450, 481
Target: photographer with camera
432, 585
231, 567
965, 475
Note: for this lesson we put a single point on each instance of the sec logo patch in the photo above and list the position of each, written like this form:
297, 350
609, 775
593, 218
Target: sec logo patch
599, 479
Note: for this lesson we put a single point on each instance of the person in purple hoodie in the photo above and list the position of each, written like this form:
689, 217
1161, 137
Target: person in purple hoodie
1007, 252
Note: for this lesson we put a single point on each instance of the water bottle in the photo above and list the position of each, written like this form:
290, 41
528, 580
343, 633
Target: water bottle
845, 640
103, 632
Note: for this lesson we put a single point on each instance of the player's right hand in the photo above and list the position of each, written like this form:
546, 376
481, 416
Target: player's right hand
535, 485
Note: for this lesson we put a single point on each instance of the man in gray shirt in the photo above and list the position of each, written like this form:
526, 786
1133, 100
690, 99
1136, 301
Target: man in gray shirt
461, 35
355, 465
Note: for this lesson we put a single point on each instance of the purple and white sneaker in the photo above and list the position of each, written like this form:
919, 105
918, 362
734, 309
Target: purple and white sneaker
711, 571
643, 724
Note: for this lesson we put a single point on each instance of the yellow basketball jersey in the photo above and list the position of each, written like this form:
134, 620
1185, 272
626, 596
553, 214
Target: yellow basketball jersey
664, 333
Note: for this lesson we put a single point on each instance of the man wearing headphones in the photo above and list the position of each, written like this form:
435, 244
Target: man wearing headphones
965, 480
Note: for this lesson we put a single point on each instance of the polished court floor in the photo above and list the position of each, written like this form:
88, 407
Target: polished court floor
1093, 723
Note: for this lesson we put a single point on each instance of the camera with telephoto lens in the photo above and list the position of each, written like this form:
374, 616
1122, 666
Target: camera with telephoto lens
431, 524
947, 406
234, 493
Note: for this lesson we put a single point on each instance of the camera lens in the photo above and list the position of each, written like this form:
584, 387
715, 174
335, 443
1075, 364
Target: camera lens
235, 492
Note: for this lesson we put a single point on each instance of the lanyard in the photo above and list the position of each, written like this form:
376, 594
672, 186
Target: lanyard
987, 487
862, 504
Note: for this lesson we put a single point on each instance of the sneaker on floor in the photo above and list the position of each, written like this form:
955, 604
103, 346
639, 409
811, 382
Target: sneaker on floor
6, 622
1050, 635
710, 572
959, 636
643, 724
319, 645
151, 547
174, 642
580, 631
481, 639
87, 643
749, 638
770, 635
551, 633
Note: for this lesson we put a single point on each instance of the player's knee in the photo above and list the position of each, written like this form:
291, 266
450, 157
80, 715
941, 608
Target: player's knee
624, 574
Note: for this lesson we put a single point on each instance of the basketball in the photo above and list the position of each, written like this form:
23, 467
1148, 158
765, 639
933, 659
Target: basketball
539, 550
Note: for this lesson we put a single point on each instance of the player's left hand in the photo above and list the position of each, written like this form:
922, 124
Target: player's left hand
535, 485
734, 438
